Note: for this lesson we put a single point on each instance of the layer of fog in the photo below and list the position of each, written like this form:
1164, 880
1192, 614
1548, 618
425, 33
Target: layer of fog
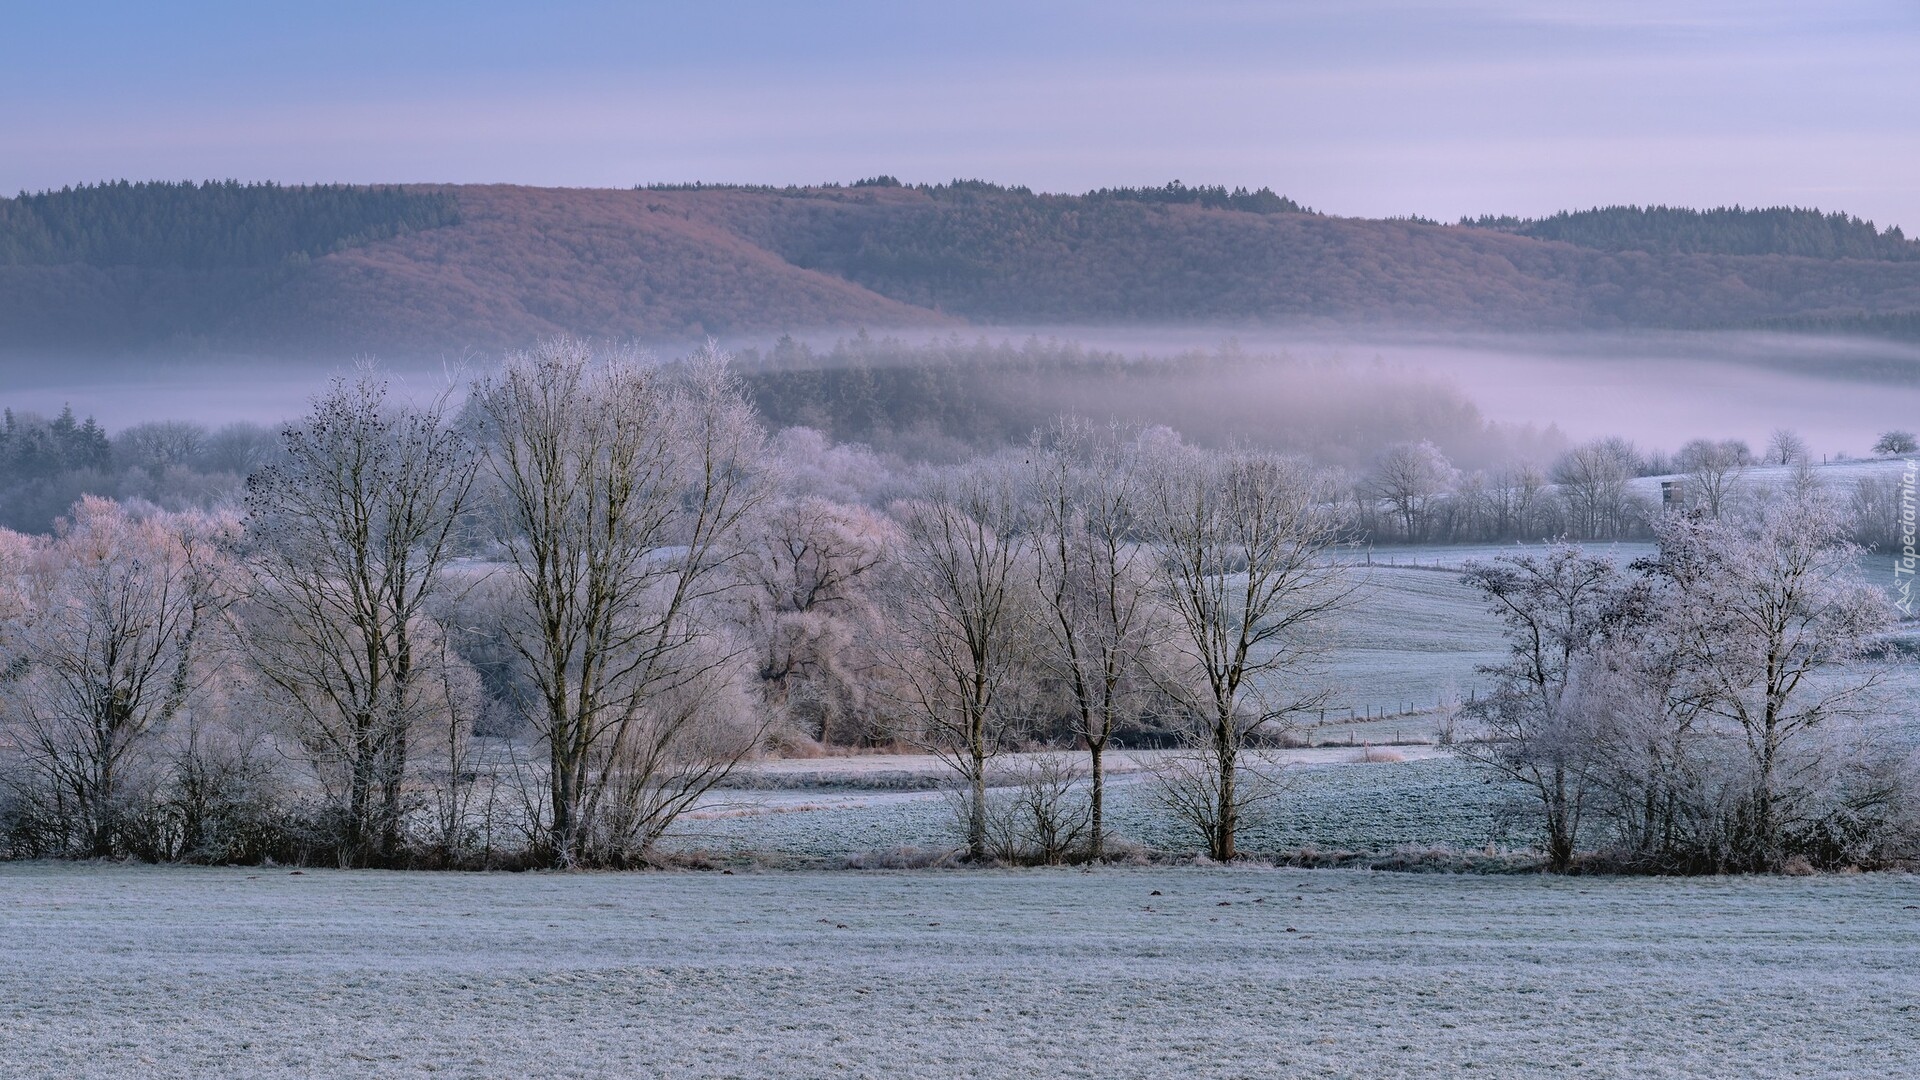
1656, 389
122, 392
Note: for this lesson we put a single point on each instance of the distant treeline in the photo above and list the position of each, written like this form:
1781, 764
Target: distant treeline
944, 400
1726, 230
1899, 325
207, 226
46, 465
30, 450
258, 270
1174, 193
1215, 197
986, 250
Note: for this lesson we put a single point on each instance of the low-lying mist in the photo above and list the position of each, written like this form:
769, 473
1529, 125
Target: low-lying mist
1659, 389
1486, 401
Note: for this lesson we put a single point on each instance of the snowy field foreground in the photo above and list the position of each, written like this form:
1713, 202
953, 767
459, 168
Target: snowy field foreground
111, 971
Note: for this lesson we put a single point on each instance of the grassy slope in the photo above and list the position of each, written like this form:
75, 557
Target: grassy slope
139, 972
1413, 636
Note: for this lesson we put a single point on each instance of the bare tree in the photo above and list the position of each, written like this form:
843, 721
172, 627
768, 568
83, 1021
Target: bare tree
1035, 812
1713, 471
1785, 447
622, 489
813, 567
350, 533
239, 447
1519, 497
1247, 567
1410, 476
1094, 580
1767, 607
159, 444
1558, 607
1655, 764
110, 644
965, 620
1895, 443
1593, 484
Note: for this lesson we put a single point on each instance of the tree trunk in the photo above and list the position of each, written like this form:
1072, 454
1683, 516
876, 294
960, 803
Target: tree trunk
1559, 851
393, 776
1096, 796
1559, 826
977, 812
561, 795
1226, 812
359, 791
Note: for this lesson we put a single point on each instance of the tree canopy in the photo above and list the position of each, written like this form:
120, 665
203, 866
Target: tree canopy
207, 226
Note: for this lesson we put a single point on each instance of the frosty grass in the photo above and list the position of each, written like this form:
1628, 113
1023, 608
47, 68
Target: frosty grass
125, 971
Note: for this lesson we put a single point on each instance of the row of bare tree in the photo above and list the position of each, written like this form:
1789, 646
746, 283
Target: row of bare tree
606, 559
1128, 577
607, 565
1413, 494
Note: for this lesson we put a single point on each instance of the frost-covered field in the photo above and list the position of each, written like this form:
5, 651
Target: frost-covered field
1411, 637
1420, 804
128, 972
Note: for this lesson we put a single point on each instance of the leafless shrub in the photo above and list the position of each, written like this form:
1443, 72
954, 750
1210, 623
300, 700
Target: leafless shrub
1188, 784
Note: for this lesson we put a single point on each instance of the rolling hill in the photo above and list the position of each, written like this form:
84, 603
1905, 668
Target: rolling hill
434, 270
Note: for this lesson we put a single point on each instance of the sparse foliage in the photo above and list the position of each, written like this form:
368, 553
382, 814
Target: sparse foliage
1536, 724
109, 646
1103, 625
1713, 471
1763, 609
1410, 477
1785, 446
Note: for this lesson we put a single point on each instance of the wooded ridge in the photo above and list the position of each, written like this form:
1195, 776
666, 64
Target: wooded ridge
427, 270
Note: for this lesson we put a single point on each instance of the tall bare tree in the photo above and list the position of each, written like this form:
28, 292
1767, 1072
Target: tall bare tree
1785, 446
1593, 479
351, 529
1558, 607
622, 488
1713, 472
1519, 496
965, 616
1248, 568
811, 610
1094, 581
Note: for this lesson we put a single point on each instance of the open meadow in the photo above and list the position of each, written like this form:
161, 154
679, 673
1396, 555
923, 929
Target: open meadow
120, 971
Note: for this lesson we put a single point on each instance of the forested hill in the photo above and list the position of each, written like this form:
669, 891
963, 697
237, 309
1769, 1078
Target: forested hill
209, 226
438, 270
1673, 230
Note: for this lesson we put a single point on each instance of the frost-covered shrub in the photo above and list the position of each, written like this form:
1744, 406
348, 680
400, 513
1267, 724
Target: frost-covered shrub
1037, 811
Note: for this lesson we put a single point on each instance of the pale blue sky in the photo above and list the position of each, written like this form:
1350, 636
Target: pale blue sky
1368, 107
